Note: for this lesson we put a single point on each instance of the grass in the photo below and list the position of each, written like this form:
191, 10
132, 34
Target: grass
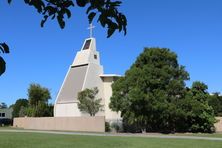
215, 135
36, 140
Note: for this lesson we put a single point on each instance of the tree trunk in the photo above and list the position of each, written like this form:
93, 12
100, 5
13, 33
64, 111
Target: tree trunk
143, 130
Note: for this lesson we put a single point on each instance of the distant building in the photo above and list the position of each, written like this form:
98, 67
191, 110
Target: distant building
6, 113
85, 72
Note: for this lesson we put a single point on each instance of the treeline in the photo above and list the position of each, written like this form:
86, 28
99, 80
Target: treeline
153, 97
36, 105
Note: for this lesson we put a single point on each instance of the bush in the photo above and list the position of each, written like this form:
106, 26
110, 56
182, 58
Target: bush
6, 122
107, 127
117, 126
131, 128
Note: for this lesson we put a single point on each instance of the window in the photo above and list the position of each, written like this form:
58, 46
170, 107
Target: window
2, 114
87, 44
95, 56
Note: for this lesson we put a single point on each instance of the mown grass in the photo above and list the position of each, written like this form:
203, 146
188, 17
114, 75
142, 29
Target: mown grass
215, 135
37, 140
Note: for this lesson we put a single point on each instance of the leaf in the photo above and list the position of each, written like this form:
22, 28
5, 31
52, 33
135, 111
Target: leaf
91, 16
68, 12
82, 3
2, 66
53, 16
68, 4
101, 19
110, 32
89, 9
4, 48
9, 1
44, 20
117, 3
26, 1
61, 21
1, 49
51, 10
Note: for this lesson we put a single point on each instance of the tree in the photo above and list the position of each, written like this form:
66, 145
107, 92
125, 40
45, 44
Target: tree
41, 110
22, 111
38, 97
198, 114
215, 100
3, 105
38, 94
106, 10
20, 103
88, 102
36, 105
147, 94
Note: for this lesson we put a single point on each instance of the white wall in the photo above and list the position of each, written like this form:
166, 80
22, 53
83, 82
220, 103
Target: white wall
67, 110
109, 114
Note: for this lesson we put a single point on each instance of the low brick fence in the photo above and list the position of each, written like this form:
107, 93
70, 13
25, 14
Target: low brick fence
218, 125
81, 124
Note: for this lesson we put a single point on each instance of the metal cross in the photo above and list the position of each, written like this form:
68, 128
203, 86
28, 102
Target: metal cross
91, 27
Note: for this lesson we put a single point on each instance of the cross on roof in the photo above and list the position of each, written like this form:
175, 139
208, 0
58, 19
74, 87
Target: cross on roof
91, 27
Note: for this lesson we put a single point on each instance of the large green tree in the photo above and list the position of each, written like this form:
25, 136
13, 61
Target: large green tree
88, 102
106, 12
148, 92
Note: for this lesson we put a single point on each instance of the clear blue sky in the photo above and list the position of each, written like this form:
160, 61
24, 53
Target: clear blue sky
191, 28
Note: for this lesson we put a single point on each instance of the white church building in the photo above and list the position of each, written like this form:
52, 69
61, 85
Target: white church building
85, 72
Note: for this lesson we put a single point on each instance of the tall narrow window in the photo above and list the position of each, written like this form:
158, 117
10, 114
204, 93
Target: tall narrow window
87, 45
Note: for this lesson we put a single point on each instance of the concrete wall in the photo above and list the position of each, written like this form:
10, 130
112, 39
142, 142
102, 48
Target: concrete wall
218, 125
82, 124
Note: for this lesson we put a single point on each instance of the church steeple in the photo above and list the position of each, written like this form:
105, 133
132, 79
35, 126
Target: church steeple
87, 54
83, 73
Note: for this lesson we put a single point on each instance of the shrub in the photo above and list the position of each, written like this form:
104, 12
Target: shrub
107, 127
5, 122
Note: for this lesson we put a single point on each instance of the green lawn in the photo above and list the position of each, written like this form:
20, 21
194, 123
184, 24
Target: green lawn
36, 140
216, 135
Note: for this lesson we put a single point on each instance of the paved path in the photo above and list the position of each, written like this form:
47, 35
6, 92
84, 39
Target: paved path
115, 135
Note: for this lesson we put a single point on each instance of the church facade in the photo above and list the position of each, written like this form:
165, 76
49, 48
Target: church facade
85, 72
